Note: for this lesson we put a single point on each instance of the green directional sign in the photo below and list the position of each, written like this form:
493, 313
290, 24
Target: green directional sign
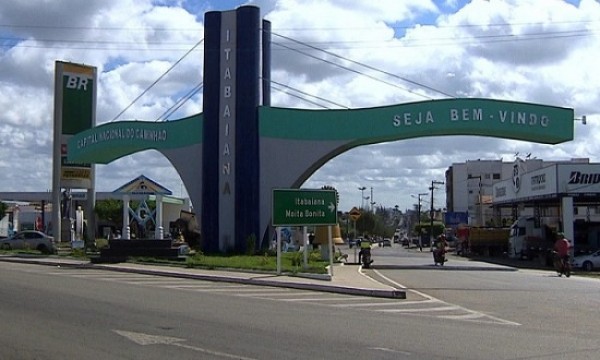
299, 207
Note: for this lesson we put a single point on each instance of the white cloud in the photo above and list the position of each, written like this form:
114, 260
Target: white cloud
525, 50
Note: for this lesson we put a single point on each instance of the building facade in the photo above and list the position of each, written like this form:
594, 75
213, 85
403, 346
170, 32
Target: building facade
562, 195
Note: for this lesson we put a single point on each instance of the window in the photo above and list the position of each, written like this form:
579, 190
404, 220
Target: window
496, 176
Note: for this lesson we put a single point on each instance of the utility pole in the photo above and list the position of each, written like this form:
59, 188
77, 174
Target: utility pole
419, 217
433, 182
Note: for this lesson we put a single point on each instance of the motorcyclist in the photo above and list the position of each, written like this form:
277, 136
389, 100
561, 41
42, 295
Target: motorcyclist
440, 248
365, 247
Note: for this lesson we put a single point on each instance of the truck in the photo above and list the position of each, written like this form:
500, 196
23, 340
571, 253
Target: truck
488, 241
528, 239
6, 227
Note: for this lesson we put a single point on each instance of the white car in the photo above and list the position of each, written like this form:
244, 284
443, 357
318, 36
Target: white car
29, 239
587, 262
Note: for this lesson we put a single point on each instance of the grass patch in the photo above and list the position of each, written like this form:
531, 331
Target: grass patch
20, 252
290, 262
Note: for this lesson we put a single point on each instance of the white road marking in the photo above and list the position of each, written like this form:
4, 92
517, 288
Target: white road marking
469, 315
147, 339
388, 303
433, 309
315, 299
391, 350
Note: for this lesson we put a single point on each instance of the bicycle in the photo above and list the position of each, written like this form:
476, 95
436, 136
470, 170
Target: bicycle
562, 265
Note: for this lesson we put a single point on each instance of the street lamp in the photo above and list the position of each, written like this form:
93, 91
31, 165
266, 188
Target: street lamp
433, 182
362, 196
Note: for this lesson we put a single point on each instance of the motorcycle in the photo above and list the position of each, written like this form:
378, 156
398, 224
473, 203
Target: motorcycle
439, 257
366, 258
561, 265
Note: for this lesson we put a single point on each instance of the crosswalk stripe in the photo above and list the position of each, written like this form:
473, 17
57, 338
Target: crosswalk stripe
190, 285
439, 308
387, 303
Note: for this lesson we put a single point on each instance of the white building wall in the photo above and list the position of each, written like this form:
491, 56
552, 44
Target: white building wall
466, 192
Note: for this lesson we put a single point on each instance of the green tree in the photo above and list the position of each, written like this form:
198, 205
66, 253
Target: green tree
337, 194
365, 225
110, 210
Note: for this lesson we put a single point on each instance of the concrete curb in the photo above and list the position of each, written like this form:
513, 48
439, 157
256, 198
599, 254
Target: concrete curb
267, 280
34, 261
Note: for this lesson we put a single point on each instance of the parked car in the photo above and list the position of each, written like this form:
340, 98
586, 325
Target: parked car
29, 239
387, 242
587, 262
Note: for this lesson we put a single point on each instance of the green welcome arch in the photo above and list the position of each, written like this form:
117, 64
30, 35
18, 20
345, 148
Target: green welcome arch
294, 143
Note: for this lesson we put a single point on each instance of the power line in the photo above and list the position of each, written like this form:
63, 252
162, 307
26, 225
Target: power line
353, 70
307, 94
367, 66
157, 80
179, 103
449, 41
101, 42
397, 27
300, 97
107, 28
10, 42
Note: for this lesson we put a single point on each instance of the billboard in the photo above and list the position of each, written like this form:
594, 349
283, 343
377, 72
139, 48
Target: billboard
74, 112
572, 179
453, 219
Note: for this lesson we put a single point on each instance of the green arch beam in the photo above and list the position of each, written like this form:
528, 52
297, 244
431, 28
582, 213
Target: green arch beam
482, 117
355, 127
111, 141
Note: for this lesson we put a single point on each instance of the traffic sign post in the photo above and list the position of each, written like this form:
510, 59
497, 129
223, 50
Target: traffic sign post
354, 214
300, 207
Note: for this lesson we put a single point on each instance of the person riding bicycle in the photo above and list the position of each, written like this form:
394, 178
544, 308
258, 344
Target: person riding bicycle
562, 247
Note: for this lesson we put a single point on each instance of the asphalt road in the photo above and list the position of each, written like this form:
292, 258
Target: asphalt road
59, 313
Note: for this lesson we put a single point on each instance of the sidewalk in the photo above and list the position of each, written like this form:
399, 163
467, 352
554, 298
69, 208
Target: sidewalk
346, 279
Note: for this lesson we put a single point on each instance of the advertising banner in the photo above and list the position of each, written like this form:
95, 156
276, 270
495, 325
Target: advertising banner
75, 111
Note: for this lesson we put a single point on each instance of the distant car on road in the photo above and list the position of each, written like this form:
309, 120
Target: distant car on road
387, 242
355, 242
29, 239
405, 242
587, 262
